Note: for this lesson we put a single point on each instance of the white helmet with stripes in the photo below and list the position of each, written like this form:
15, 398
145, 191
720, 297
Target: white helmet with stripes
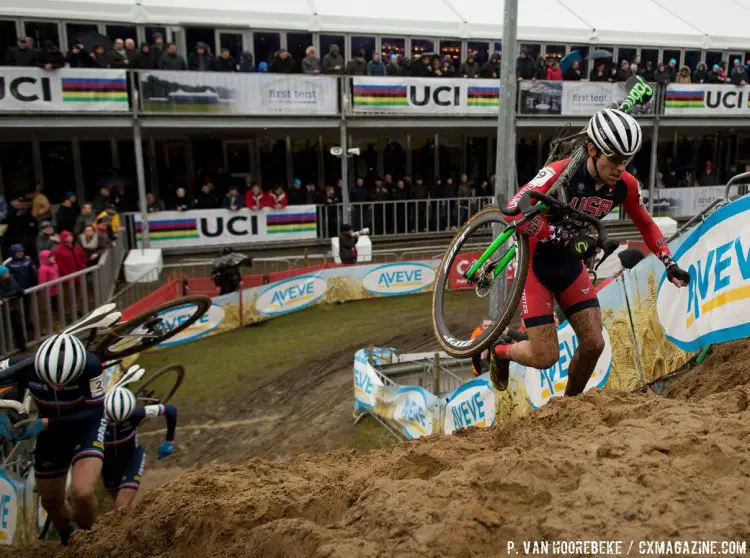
60, 359
615, 133
119, 404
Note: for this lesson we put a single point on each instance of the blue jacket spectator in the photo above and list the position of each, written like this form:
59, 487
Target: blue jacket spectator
21, 267
246, 62
263, 68
201, 60
375, 67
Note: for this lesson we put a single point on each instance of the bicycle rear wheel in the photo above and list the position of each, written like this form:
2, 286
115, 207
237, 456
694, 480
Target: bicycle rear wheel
459, 305
152, 327
161, 386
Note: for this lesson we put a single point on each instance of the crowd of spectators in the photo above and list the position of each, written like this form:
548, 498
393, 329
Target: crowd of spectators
164, 56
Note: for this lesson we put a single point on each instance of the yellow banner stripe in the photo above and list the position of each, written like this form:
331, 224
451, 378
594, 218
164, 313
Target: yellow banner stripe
740, 293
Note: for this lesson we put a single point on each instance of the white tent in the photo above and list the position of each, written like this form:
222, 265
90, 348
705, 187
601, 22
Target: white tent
720, 25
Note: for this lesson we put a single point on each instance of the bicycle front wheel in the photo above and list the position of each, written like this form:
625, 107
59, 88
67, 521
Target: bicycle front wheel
152, 327
160, 387
459, 304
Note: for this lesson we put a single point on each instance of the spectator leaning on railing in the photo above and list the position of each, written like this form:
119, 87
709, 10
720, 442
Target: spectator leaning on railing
99, 58
701, 74
22, 54
225, 62
333, 62
470, 68
739, 75
393, 67
375, 67
573, 73
684, 75
143, 59
78, 57
93, 244
117, 57
311, 63
84, 219
46, 239
233, 200
10, 292
553, 72
283, 63
357, 65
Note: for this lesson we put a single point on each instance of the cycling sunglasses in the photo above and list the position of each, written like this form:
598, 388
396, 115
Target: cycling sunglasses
617, 160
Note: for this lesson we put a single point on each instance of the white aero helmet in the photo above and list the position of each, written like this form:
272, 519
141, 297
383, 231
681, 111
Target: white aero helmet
119, 404
615, 133
60, 359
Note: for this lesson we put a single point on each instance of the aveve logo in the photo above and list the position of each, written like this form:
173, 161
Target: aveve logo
203, 326
473, 404
398, 279
713, 307
291, 294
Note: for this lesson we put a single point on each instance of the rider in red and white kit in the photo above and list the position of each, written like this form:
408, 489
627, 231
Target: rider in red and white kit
556, 271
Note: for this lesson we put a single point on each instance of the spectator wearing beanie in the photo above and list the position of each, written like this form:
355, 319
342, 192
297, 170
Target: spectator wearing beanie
470, 68
739, 75
296, 193
283, 63
524, 66
715, 75
201, 60
70, 258
21, 267
393, 68
46, 239
67, 213
246, 62
491, 68
701, 74
672, 69
333, 62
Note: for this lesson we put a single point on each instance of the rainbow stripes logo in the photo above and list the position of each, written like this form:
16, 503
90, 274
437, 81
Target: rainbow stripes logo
169, 229
291, 223
685, 99
92, 90
484, 97
380, 96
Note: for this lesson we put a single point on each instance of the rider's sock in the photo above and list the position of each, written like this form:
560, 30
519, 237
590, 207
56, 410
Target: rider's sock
65, 536
503, 351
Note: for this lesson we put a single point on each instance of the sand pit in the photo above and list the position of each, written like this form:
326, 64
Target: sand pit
603, 466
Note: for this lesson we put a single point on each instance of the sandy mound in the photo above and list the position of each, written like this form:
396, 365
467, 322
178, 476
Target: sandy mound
727, 366
603, 466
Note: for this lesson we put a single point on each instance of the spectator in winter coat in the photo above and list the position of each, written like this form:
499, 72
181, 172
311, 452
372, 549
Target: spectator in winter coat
739, 75
182, 201
360, 193
394, 67
491, 68
78, 57
143, 59
684, 75
375, 67
152, 204
524, 66
93, 244
541, 67
333, 62
449, 188
599, 73
233, 201
283, 63
171, 60
225, 62
84, 219
672, 69
158, 48
201, 60
110, 219
70, 258
41, 210
311, 63
662, 75
22, 54
312, 196
573, 73
633, 70
280, 199
613, 75
257, 199
46, 239
470, 68
418, 190
246, 62
10, 293
715, 75
67, 213
701, 74
48, 271
296, 193
264, 68
21, 267
357, 66
624, 72
648, 72
117, 57
98, 59
447, 69
553, 72
464, 187
205, 199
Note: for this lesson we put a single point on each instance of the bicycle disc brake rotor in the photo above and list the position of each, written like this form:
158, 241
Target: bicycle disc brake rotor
484, 279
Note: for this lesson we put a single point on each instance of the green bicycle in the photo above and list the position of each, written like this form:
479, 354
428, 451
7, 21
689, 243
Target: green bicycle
479, 266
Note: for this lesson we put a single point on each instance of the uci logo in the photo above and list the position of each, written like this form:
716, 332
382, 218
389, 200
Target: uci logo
241, 225
442, 96
26, 89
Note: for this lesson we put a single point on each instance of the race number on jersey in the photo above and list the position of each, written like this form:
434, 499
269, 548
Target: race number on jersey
542, 177
96, 385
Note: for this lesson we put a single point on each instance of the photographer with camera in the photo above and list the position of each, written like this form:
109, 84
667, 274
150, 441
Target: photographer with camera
348, 243
226, 273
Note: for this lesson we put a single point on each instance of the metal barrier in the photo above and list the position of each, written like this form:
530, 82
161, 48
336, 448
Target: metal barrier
50, 307
401, 217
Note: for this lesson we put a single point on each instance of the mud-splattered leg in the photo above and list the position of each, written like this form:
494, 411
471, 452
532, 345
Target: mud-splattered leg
588, 327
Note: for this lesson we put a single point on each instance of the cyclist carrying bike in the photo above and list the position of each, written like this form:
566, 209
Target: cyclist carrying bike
67, 384
124, 457
556, 270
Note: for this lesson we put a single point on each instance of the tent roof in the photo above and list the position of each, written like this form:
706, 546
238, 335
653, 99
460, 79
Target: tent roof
667, 23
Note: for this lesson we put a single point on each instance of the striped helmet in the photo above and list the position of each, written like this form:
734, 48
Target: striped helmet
119, 404
60, 360
615, 133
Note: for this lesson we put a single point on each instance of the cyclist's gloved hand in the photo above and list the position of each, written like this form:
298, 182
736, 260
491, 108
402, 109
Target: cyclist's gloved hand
582, 246
31, 430
678, 277
6, 428
165, 450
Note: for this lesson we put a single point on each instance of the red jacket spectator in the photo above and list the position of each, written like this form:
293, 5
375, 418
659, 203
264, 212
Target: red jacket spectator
554, 73
48, 270
258, 199
69, 258
280, 199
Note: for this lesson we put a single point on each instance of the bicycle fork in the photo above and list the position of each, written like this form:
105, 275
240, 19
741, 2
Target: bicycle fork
500, 266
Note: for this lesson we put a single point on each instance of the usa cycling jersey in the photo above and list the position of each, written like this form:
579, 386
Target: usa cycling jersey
122, 437
554, 273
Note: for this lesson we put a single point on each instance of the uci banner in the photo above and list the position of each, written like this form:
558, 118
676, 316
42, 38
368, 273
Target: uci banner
425, 95
216, 227
63, 90
238, 93
703, 99
714, 306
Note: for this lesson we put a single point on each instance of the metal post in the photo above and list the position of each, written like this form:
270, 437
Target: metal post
140, 173
653, 168
347, 218
506, 132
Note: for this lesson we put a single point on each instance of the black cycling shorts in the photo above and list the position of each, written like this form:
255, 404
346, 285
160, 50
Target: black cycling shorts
56, 452
124, 470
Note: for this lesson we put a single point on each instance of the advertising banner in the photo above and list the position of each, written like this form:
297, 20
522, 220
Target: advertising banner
63, 90
238, 93
706, 99
714, 306
215, 227
573, 97
472, 404
687, 202
425, 95
8, 509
